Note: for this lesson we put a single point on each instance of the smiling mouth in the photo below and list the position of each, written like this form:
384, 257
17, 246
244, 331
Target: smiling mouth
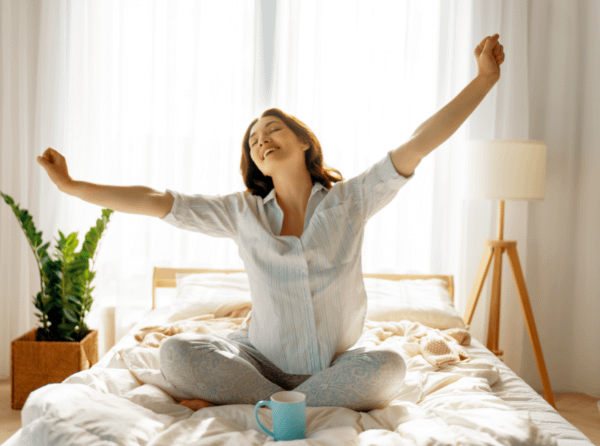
269, 151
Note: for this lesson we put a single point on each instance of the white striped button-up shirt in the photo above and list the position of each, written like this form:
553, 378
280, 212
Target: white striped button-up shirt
308, 294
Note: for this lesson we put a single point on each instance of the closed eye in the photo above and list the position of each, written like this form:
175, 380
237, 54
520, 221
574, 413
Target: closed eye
273, 130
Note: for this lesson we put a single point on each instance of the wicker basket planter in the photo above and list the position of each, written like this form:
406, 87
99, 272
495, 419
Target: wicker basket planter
35, 364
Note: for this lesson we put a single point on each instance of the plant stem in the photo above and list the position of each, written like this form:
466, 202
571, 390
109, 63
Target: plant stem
39, 264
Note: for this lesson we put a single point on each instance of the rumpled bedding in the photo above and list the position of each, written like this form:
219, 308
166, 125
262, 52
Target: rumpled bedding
447, 399
437, 347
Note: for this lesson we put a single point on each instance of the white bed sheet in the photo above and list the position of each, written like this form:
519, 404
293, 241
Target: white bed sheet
235, 424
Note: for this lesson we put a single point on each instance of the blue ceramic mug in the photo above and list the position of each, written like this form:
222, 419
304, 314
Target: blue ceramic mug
289, 415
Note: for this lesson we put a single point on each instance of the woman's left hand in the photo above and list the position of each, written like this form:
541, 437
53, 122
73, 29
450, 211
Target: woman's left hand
489, 55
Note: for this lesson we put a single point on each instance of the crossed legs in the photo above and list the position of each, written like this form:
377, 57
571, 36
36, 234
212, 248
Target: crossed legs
362, 379
230, 371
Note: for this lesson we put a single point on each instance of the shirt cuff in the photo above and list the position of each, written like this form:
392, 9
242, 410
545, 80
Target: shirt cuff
388, 172
170, 217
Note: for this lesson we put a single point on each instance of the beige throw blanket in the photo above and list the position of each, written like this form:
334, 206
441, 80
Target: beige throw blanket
438, 347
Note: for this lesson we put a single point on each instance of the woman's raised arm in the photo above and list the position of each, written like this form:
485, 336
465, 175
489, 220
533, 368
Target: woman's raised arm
489, 55
130, 199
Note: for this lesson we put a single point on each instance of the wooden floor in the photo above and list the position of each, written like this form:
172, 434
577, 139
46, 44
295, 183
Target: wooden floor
10, 420
580, 410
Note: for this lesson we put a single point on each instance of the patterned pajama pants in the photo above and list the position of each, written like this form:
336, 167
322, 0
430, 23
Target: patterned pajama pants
231, 371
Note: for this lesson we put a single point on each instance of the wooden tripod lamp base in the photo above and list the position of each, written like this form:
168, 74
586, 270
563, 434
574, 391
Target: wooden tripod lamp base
495, 249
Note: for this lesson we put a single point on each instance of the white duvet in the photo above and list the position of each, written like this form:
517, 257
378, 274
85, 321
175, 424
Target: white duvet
448, 405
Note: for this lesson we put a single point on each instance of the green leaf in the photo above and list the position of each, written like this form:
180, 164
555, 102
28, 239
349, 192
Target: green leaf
75, 301
42, 251
70, 315
66, 332
65, 297
37, 239
72, 241
38, 302
94, 234
44, 259
26, 222
10, 201
24, 216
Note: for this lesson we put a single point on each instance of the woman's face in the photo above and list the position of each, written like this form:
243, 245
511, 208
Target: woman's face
274, 146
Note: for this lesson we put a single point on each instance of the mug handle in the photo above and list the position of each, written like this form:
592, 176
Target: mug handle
256, 407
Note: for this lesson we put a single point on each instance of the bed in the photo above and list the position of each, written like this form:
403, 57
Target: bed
457, 391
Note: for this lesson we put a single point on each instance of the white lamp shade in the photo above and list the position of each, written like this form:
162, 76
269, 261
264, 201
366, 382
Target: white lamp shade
506, 170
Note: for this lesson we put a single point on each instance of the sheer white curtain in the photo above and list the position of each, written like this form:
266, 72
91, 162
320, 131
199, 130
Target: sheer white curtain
19, 281
163, 102
364, 76
155, 93
160, 93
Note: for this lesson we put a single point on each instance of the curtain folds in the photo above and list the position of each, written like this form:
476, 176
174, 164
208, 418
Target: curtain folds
132, 93
159, 93
365, 78
19, 281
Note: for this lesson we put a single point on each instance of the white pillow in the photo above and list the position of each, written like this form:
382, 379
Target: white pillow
204, 293
424, 301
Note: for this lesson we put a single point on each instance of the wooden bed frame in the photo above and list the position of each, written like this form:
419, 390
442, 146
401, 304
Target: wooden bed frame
165, 278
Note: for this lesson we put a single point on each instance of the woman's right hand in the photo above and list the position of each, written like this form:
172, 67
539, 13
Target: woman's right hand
130, 199
56, 167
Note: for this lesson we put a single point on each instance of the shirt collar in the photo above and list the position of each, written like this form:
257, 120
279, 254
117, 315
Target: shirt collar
316, 187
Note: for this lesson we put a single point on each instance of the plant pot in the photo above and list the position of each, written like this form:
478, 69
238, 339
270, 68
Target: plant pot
36, 363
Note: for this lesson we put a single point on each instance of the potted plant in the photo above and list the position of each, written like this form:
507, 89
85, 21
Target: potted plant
63, 344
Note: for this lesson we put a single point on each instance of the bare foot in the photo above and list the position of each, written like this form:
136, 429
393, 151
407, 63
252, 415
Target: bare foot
200, 404
195, 404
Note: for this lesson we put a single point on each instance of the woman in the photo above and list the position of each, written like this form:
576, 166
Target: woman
300, 238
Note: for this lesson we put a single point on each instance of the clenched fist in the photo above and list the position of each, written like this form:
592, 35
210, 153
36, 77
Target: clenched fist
489, 55
56, 167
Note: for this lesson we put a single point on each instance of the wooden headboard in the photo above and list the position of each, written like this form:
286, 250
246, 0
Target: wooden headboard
165, 278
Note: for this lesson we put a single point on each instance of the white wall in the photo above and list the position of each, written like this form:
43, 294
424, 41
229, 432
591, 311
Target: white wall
563, 262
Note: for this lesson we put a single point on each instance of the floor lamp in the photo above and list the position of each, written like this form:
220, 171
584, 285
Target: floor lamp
506, 170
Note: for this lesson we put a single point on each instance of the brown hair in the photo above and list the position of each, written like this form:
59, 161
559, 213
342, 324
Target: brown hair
259, 184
